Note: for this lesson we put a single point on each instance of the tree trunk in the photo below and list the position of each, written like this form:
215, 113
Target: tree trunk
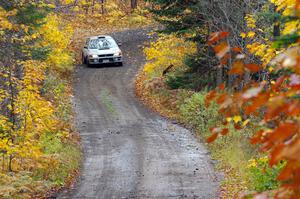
93, 6
276, 26
219, 79
102, 7
133, 5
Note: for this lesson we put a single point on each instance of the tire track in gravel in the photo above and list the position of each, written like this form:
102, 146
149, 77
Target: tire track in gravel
129, 151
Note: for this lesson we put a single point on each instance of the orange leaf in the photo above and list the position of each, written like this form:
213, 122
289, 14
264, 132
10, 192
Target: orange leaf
210, 96
294, 109
254, 68
250, 109
224, 131
257, 138
237, 49
223, 34
292, 150
286, 173
221, 49
212, 138
283, 132
222, 86
275, 107
222, 98
237, 68
217, 36
278, 83
297, 6
276, 155
257, 102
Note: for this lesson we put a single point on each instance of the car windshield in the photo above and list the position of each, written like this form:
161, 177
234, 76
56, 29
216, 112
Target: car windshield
102, 43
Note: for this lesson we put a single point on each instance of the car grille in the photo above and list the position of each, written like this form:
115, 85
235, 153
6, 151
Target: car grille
106, 55
110, 60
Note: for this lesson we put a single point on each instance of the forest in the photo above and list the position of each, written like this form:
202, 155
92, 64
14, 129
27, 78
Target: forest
228, 70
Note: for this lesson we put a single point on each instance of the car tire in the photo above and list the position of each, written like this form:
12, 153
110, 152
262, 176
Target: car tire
120, 64
83, 59
88, 64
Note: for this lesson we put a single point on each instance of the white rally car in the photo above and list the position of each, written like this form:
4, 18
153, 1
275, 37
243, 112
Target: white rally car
101, 49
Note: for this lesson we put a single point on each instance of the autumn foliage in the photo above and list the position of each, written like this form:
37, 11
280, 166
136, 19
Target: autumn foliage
35, 109
274, 100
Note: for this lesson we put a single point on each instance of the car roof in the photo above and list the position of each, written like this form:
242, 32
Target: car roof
100, 36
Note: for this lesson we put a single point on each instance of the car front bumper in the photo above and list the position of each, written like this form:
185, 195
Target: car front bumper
105, 60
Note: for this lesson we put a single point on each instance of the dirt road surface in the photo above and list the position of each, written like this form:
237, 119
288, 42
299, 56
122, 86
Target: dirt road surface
129, 151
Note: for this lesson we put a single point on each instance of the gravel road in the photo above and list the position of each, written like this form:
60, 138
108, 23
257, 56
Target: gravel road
129, 151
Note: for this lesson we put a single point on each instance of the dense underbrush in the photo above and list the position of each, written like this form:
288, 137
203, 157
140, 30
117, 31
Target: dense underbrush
245, 169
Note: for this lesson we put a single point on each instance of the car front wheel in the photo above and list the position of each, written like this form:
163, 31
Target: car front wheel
83, 59
88, 63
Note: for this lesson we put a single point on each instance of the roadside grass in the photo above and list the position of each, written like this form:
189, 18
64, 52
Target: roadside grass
43, 181
61, 159
63, 146
68, 158
232, 152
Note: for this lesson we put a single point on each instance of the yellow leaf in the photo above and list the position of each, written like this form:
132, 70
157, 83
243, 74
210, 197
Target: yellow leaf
246, 122
229, 119
243, 35
251, 34
237, 118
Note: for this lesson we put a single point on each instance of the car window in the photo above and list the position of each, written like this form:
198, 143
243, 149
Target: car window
102, 43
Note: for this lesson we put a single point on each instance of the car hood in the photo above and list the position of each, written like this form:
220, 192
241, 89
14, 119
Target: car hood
101, 52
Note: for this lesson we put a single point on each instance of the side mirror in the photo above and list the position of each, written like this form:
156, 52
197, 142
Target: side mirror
119, 43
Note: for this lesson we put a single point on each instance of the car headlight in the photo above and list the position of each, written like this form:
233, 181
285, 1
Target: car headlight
93, 56
118, 54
